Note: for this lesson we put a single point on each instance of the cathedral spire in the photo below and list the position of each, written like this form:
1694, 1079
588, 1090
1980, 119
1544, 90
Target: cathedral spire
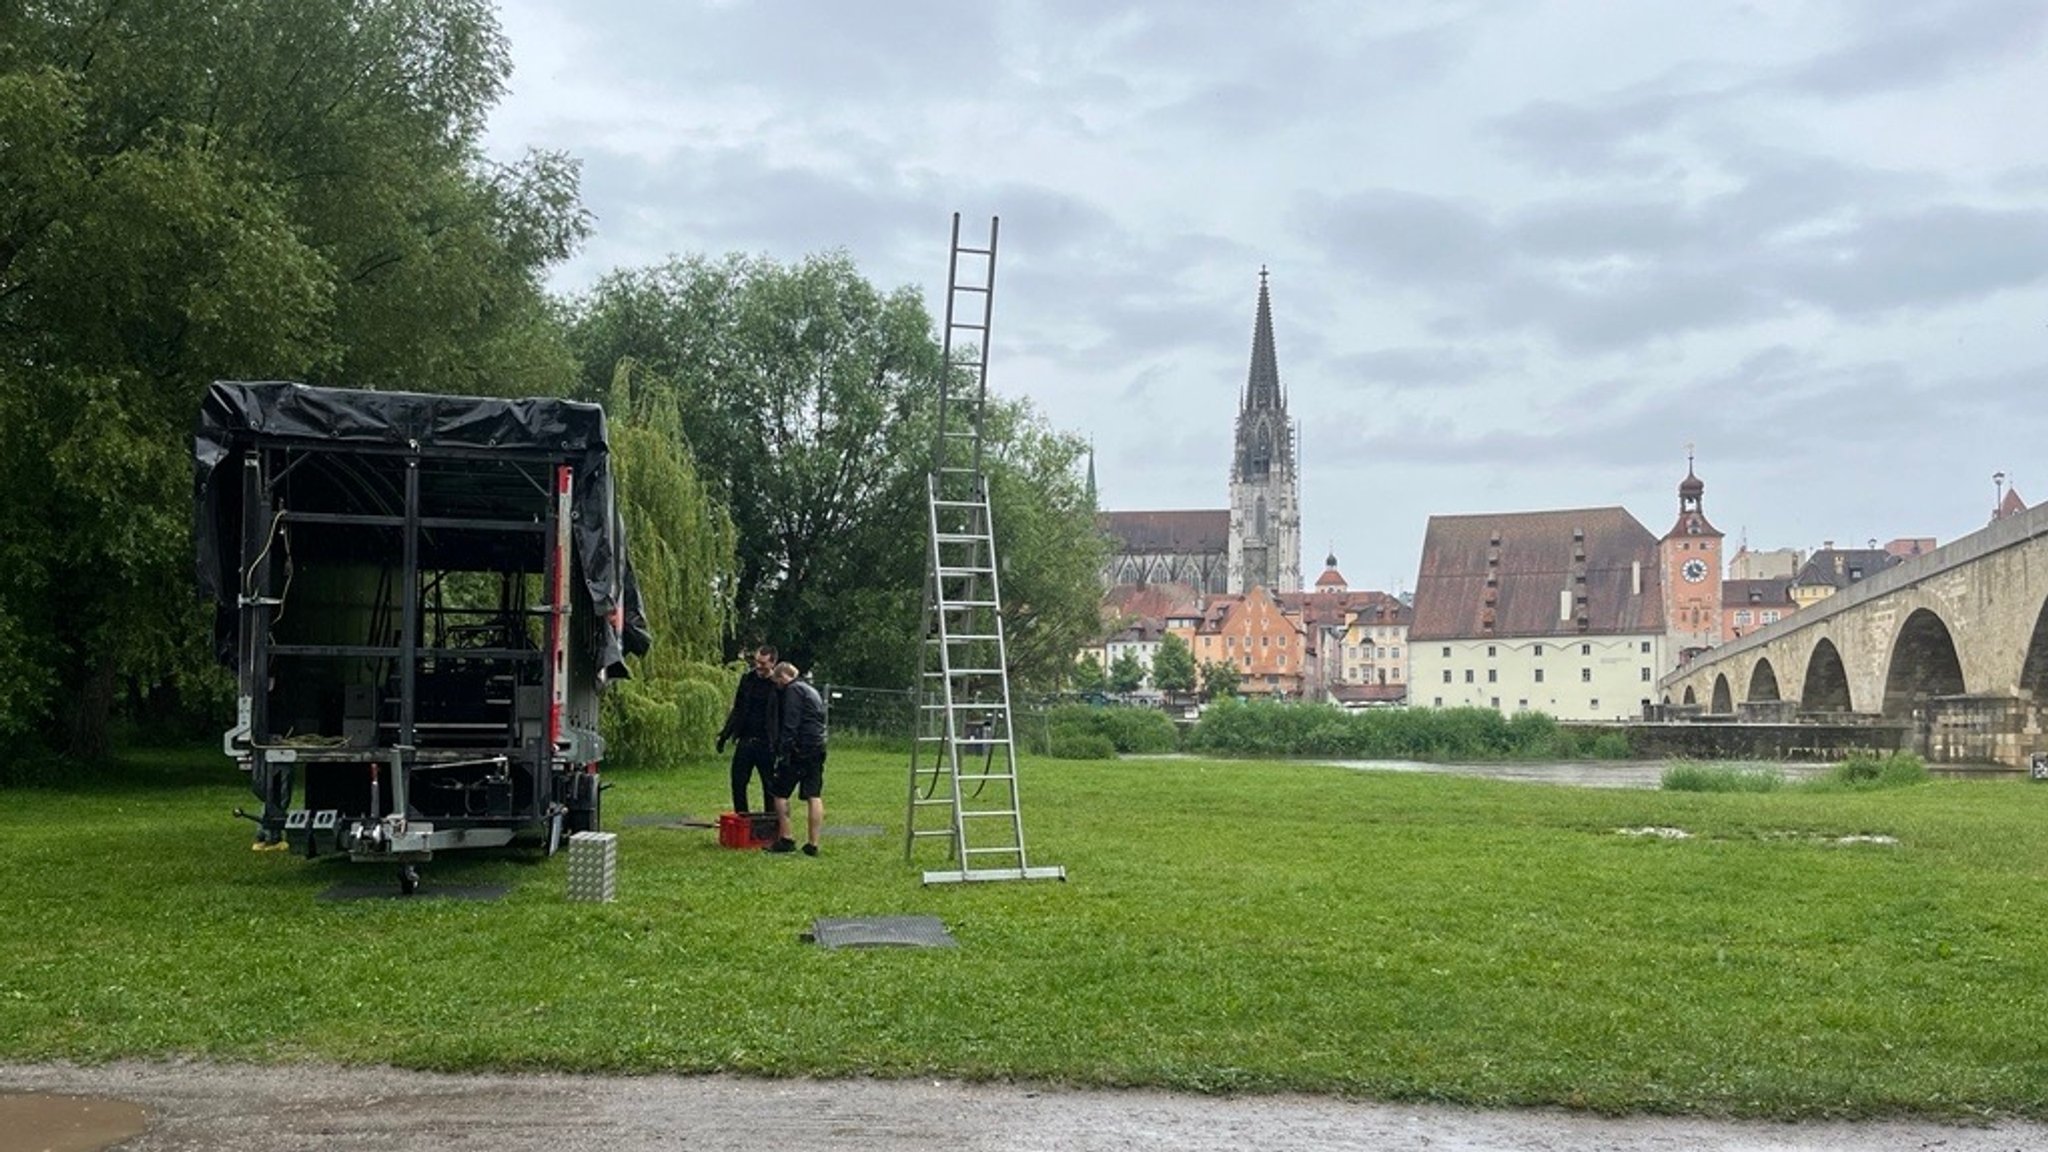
1262, 388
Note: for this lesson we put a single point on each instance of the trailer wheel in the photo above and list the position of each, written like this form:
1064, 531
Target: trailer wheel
408, 880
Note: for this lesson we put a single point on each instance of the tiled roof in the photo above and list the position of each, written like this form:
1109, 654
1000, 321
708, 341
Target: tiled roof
1743, 593
1334, 609
1206, 530
1150, 601
1369, 693
1841, 567
1532, 557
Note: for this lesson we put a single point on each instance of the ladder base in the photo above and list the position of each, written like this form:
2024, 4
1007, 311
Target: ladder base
969, 875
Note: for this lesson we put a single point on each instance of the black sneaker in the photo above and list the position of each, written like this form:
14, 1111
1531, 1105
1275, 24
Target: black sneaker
781, 846
810, 849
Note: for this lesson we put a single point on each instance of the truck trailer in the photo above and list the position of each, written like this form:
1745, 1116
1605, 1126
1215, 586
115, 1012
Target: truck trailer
421, 598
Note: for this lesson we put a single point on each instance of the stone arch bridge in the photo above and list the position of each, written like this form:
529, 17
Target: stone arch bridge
1952, 645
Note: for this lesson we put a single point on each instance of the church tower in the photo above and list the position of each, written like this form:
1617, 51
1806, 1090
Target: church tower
1265, 493
1691, 554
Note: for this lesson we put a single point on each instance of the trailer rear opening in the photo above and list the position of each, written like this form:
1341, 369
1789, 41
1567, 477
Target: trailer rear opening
422, 598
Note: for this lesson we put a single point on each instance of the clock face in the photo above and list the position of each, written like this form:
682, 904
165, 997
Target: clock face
1694, 571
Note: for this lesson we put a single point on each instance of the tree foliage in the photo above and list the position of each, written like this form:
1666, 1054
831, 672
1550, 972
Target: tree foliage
1220, 679
1173, 666
809, 399
202, 189
1126, 672
681, 544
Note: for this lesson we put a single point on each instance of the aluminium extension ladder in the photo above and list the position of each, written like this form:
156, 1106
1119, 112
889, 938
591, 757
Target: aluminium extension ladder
963, 755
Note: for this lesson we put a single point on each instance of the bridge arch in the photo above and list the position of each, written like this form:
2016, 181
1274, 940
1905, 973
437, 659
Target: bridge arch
1827, 682
2033, 679
1724, 700
1923, 663
1763, 681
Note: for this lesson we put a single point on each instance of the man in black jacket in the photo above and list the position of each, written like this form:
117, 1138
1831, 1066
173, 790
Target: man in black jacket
752, 726
803, 760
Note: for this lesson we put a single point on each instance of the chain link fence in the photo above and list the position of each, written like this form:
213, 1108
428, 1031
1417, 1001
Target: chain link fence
887, 717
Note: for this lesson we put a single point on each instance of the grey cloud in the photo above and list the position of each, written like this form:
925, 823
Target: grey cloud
1401, 237
1925, 48
1458, 365
1937, 255
1555, 136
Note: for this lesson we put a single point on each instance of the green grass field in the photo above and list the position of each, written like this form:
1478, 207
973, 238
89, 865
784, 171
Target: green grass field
1227, 927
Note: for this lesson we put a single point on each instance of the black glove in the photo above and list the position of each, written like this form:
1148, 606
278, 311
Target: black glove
721, 745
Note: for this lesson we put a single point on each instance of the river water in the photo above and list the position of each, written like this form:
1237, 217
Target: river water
1573, 773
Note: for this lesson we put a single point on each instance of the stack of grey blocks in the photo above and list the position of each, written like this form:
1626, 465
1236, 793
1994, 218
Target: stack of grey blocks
594, 867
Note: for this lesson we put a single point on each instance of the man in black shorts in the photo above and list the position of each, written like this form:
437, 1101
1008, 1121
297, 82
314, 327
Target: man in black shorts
752, 726
802, 768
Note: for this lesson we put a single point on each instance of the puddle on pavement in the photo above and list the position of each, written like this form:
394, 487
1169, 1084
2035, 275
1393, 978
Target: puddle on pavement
49, 1123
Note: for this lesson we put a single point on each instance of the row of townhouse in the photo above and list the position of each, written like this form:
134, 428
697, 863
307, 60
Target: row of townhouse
1329, 643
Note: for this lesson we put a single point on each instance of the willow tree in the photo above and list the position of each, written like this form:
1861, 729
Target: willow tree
680, 541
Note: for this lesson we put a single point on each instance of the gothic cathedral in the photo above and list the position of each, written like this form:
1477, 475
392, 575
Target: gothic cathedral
1265, 492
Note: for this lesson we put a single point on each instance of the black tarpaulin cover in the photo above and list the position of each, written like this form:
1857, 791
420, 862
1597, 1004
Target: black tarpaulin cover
237, 414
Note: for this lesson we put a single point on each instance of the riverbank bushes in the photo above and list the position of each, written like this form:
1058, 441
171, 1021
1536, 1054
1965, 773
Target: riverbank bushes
1265, 728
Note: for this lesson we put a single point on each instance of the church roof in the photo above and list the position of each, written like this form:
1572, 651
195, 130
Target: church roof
1187, 532
1501, 574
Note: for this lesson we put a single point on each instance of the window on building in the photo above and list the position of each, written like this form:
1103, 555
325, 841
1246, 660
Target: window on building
1230, 642
1394, 653
1447, 651
1247, 659
1585, 649
1496, 703
1593, 704
1439, 702
1522, 704
1489, 651
1585, 675
1646, 645
1468, 675
1646, 675
1770, 617
1492, 675
1539, 675
1539, 650
1265, 641
1447, 675
1742, 618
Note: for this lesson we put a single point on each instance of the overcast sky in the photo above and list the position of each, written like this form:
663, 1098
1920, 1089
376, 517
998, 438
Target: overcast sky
1522, 254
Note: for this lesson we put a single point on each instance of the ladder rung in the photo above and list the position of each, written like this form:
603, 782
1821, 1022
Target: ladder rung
955, 604
990, 812
971, 327
961, 503
1017, 851
963, 537
978, 776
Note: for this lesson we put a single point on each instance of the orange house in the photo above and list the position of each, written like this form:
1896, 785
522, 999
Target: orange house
1268, 647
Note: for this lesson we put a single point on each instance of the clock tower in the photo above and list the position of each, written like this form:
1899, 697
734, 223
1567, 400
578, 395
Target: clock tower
1692, 561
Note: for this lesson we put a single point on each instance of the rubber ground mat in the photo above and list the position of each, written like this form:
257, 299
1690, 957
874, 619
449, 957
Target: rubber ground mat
882, 932
428, 890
